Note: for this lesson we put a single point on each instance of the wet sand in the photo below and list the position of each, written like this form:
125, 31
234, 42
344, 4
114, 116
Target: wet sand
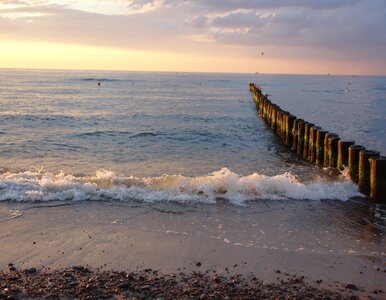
332, 245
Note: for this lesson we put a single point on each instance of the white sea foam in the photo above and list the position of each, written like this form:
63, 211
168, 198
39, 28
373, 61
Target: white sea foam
224, 184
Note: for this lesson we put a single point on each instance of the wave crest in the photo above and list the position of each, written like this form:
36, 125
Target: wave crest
223, 184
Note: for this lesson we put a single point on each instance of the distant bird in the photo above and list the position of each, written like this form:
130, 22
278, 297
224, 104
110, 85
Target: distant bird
262, 53
99, 83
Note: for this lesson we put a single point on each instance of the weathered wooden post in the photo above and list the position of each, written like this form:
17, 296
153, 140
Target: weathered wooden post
378, 178
319, 147
343, 153
307, 127
277, 120
274, 113
268, 114
364, 170
283, 128
300, 135
333, 151
266, 106
353, 161
289, 123
312, 144
261, 105
279, 116
294, 147
326, 160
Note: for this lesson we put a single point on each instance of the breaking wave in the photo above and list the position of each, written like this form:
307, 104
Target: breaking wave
223, 184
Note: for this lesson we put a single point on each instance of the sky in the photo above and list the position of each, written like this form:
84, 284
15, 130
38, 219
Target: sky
239, 36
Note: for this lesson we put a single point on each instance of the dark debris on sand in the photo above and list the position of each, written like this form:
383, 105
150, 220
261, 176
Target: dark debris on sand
83, 283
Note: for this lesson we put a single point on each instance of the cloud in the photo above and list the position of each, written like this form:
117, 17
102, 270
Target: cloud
322, 29
230, 5
200, 21
102, 7
352, 28
239, 20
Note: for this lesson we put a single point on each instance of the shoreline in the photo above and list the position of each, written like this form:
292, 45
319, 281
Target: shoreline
271, 240
84, 283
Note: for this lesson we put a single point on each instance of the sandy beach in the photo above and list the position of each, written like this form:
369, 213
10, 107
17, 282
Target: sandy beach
271, 240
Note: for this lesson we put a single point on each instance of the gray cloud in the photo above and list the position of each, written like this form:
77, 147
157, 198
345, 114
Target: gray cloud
324, 29
200, 21
239, 20
350, 30
229, 5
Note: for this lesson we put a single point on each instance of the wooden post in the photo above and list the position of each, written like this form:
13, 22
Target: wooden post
283, 127
378, 178
307, 127
277, 121
280, 124
289, 124
294, 147
353, 161
266, 110
343, 153
364, 170
312, 144
326, 160
319, 147
300, 135
333, 151
273, 117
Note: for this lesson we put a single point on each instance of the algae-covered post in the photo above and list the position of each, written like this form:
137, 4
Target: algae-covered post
307, 128
300, 135
295, 134
319, 147
312, 144
378, 178
326, 152
353, 161
289, 123
333, 151
364, 170
343, 153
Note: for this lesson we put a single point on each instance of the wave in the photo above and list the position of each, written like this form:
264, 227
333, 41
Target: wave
116, 133
223, 184
98, 79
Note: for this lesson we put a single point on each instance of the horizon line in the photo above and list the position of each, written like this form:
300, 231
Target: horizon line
192, 72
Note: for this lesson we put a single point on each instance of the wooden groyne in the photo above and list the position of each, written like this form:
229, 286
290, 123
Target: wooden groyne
326, 149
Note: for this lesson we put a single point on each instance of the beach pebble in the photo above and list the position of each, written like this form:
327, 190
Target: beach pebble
31, 270
351, 286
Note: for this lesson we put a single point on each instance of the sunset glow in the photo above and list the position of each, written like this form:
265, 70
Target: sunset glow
167, 35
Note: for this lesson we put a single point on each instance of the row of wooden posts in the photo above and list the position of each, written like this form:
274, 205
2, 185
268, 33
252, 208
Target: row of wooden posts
318, 146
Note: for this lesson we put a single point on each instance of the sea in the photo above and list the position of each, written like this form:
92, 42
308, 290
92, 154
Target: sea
171, 136
192, 146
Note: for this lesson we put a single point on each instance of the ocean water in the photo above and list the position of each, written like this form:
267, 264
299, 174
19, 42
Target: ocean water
183, 137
